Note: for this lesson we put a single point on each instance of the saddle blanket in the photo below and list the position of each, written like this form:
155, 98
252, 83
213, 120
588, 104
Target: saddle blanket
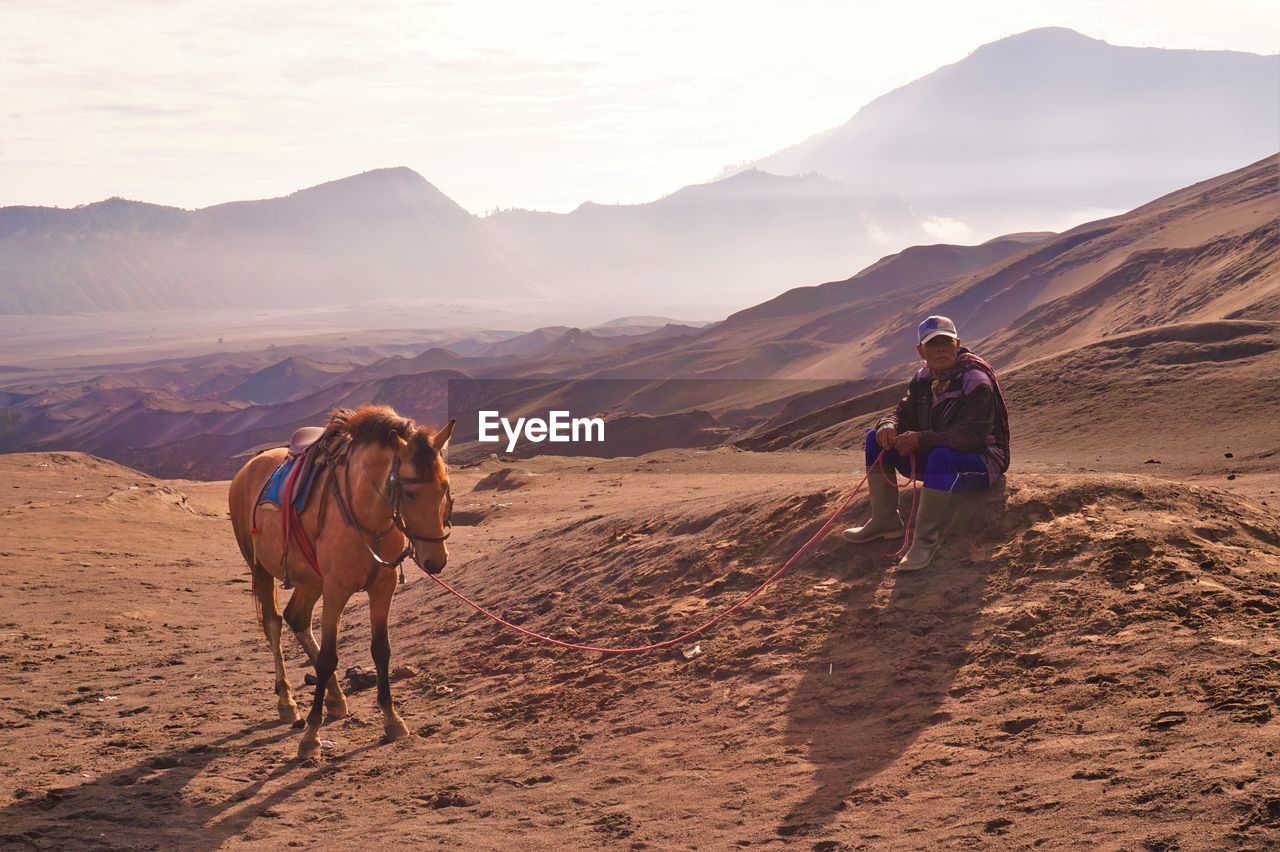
275, 484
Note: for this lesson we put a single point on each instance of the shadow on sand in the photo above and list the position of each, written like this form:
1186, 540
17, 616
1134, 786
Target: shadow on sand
888, 665
148, 805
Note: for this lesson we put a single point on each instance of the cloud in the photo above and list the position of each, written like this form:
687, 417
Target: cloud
946, 230
142, 110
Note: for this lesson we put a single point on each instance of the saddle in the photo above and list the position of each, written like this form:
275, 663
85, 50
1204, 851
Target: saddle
293, 478
304, 438
289, 487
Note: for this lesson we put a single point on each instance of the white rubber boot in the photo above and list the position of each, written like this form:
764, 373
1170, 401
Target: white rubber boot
886, 521
932, 517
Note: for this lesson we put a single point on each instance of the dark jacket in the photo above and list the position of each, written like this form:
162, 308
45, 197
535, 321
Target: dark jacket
969, 415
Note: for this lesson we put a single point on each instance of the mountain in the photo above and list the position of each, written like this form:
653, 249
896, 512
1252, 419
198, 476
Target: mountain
1037, 129
815, 333
709, 248
1210, 251
389, 234
1178, 299
1205, 252
1180, 295
284, 379
382, 234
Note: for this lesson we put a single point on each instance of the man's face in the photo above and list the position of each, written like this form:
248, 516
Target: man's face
940, 353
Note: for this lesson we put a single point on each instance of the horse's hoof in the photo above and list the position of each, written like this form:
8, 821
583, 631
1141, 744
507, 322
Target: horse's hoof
395, 730
335, 711
289, 714
309, 748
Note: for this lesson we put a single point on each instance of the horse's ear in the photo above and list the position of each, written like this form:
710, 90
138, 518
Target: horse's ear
441, 438
397, 442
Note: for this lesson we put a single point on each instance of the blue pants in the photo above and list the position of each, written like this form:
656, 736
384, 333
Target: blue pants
941, 467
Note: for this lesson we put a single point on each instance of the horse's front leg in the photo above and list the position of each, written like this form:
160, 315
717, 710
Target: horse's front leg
380, 595
326, 665
298, 615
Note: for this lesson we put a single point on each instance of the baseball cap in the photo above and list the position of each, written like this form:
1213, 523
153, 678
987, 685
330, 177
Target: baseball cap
933, 326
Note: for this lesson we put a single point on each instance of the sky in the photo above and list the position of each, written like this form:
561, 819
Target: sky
541, 105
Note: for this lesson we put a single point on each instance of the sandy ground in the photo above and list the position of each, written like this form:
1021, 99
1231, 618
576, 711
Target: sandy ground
1091, 666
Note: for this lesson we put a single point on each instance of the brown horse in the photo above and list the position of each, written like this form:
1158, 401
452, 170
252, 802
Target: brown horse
385, 494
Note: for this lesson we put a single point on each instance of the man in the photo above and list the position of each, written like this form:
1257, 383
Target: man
954, 423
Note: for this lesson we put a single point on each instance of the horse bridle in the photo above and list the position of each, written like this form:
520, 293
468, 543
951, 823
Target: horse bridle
391, 493
395, 487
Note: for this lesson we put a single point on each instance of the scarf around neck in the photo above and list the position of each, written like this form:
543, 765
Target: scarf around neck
965, 361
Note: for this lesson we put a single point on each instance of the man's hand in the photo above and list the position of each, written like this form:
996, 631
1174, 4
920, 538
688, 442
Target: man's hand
885, 436
907, 443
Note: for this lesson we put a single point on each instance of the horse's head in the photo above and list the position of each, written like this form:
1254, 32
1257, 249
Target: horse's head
405, 465
418, 490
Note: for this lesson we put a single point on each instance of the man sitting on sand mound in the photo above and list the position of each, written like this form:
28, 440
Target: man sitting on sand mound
954, 422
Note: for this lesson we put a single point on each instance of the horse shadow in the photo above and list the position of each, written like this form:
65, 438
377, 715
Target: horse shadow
888, 665
147, 805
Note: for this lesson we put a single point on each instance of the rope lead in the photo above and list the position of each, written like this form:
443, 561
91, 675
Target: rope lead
814, 539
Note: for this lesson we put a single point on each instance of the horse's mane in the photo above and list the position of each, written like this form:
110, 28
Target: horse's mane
376, 424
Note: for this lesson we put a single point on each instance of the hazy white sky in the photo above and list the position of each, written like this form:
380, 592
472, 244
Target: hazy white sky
523, 103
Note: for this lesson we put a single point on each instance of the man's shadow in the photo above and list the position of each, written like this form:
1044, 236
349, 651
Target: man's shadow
144, 804
889, 663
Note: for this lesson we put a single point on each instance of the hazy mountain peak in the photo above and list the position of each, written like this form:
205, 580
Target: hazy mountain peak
116, 205
390, 176
115, 202
1048, 127
398, 181
1041, 38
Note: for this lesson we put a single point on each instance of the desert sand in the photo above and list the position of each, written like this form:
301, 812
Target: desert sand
1091, 667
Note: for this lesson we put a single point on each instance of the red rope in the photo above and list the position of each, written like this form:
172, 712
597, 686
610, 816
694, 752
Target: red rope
892, 479
684, 636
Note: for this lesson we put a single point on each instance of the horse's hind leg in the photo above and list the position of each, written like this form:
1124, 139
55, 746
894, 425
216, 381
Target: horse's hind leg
379, 610
298, 614
264, 586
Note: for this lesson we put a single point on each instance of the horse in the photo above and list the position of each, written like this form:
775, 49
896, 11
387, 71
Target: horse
388, 479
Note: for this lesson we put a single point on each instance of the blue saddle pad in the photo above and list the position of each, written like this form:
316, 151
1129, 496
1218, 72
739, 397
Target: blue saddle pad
275, 483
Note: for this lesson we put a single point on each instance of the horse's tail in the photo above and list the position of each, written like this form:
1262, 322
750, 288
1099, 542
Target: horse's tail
255, 577
244, 540
246, 531
255, 573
